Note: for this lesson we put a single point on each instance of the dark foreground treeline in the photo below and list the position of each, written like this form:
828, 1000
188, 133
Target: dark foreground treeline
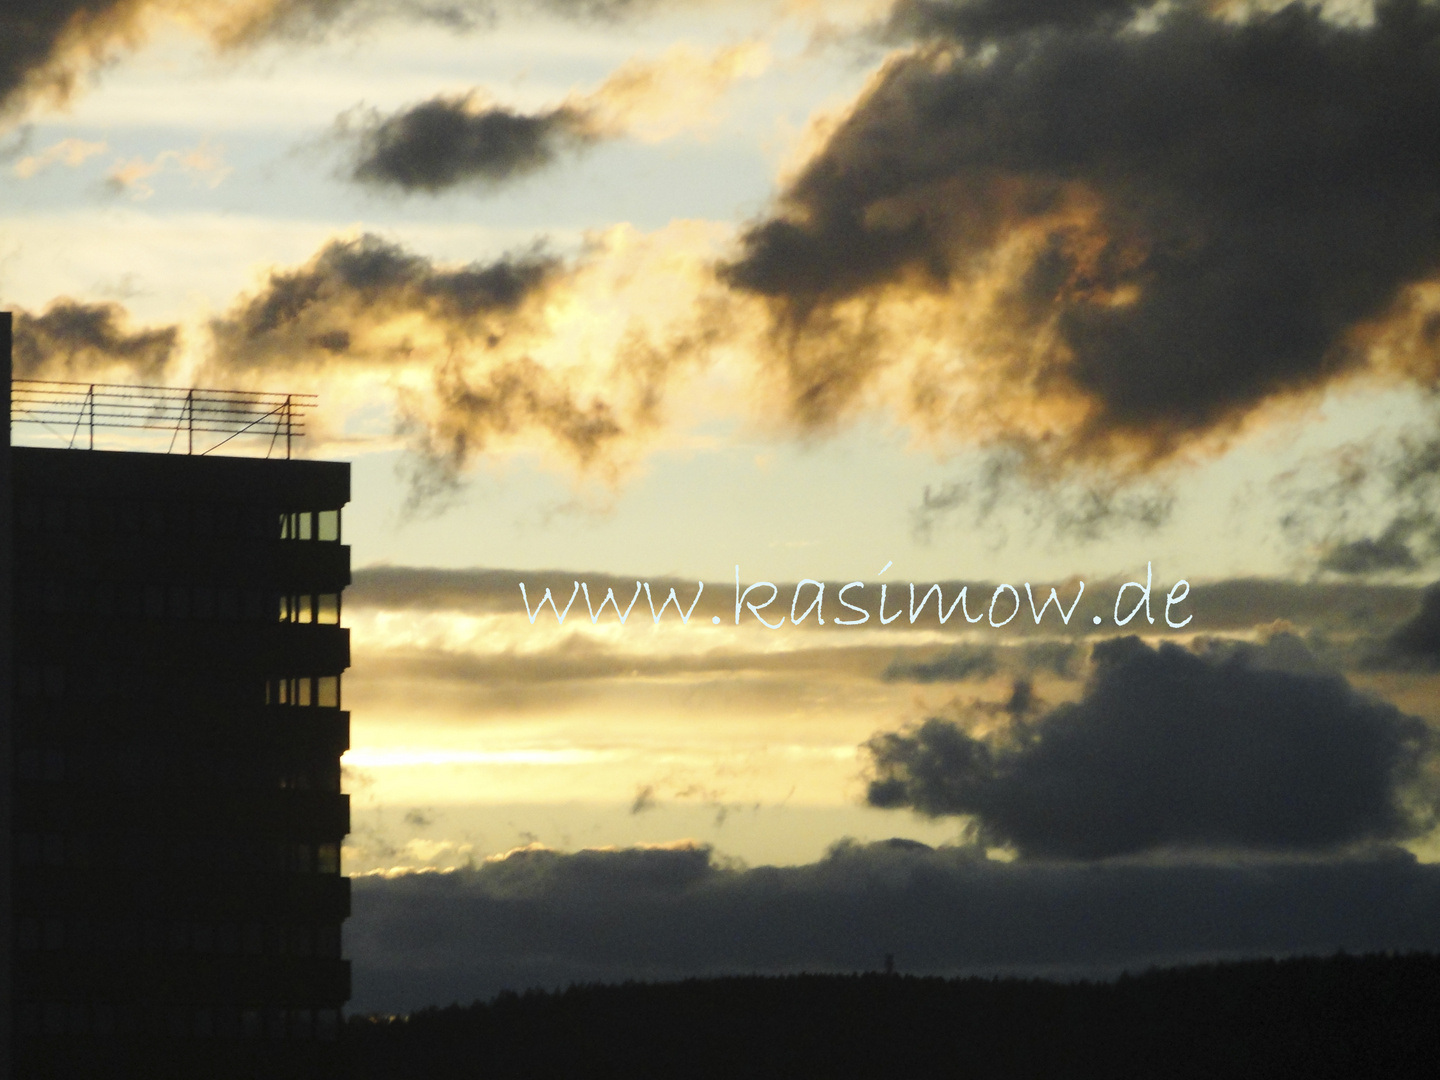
1345, 1016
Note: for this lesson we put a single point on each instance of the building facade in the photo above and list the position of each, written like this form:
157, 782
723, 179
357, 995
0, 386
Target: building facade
177, 729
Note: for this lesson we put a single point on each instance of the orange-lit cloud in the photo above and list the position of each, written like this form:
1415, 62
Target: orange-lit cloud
68, 152
78, 341
1108, 242
526, 346
205, 163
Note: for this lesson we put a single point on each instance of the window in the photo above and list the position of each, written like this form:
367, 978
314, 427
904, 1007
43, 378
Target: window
227, 603
296, 526
302, 941
327, 859
327, 609
53, 850
304, 691
309, 525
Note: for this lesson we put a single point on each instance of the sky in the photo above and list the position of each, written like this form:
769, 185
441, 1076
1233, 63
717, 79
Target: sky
1001, 296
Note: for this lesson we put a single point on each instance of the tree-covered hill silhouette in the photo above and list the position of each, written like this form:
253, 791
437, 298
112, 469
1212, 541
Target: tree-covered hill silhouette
1342, 1016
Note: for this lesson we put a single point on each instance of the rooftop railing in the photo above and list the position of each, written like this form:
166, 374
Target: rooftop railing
79, 409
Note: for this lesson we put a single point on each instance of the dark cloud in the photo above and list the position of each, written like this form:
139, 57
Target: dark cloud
542, 918
966, 662
1335, 607
981, 20
310, 20
1015, 481
78, 341
1379, 514
476, 333
1416, 643
46, 45
1133, 238
324, 309
1243, 748
448, 141
41, 40
370, 304
958, 664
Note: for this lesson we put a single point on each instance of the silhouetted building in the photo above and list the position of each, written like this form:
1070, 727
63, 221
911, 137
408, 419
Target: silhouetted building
177, 732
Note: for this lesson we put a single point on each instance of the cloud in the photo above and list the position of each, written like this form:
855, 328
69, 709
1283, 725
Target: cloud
44, 44
78, 341
967, 661
957, 665
526, 348
333, 310
1416, 643
367, 305
452, 140
543, 918
1240, 747
1016, 478
1110, 244
311, 20
989, 20
1378, 513
448, 141
204, 163
68, 152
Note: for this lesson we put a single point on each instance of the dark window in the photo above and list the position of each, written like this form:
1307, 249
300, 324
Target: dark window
227, 603
27, 764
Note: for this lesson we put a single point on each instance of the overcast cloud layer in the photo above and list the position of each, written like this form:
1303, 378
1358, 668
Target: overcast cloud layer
541, 918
